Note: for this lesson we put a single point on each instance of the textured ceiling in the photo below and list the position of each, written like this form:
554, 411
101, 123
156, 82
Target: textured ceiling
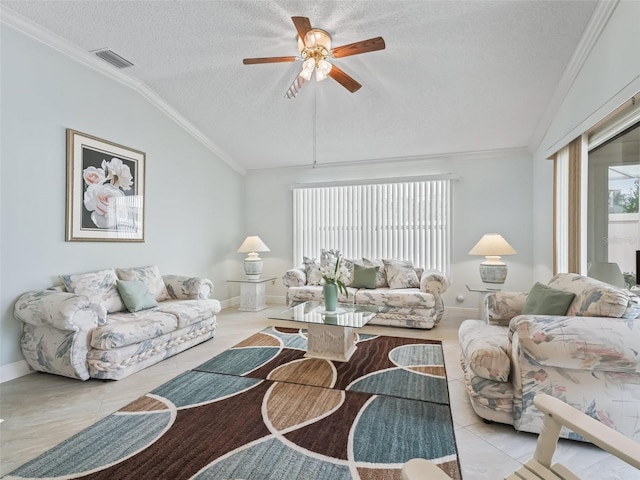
456, 76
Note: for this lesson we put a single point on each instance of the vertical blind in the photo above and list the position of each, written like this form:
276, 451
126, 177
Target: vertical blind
404, 221
561, 251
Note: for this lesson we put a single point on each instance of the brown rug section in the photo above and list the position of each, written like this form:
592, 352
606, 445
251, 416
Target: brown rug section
144, 404
434, 370
312, 371
451, 469
379, 474
291, 404
259, 341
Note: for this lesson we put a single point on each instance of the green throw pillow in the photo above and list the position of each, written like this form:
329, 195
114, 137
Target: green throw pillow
364, 277
136, 295
543, 300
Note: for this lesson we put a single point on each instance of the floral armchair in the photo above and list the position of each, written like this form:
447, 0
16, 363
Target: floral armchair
589, 357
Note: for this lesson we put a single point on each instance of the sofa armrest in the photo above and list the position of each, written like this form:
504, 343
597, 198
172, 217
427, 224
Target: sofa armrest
62, 310
501, 307
56, 331
433, 282
295, 277
580, 343
485, 350
188, 288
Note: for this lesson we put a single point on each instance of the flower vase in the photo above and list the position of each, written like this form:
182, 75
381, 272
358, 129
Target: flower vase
330, 294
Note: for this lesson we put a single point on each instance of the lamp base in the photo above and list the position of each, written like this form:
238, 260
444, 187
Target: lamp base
253, 269
493, 273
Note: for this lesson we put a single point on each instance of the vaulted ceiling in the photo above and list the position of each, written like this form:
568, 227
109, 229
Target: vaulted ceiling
455, 77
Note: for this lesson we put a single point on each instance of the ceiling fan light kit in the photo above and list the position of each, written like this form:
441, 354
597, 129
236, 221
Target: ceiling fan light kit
314, 46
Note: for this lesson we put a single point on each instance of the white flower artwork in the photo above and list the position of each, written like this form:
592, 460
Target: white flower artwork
102, 186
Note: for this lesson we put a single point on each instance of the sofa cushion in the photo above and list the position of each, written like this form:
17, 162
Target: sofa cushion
381, 277
124, 329
190, 311
485, 349
404, 297
136, 295
100, 287
150, 276
543, 300
401, 274
364, 277
313, 293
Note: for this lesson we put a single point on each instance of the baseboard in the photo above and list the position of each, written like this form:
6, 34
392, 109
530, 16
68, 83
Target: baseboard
14, 370
276, 300
230, 302
463, 311
270, 300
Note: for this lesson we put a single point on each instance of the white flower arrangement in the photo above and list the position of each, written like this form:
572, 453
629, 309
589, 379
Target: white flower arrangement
336, 272
102, 185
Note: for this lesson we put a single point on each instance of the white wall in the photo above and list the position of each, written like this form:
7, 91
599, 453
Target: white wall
194, 200
608, 78
493, 194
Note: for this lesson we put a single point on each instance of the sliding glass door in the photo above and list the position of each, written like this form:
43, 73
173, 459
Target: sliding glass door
613, 223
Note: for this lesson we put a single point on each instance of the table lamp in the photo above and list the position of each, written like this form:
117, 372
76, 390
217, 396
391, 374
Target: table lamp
253, 263
492, 246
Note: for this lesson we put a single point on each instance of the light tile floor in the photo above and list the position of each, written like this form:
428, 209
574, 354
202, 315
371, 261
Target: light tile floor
41, 410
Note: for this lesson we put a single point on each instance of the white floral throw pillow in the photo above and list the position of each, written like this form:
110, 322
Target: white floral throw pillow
101, 287
401, 274
312, 271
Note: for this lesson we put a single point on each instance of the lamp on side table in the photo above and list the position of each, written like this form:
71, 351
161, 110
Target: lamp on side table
253, 263
492, 246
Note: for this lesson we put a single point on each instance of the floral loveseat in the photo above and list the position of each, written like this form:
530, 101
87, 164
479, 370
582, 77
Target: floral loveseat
409, 296
83, 330
589, 357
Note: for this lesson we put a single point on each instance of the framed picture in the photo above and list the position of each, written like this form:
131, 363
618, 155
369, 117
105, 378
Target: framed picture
105, 190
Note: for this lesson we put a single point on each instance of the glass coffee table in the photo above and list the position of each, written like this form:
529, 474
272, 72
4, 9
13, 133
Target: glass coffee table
331, 335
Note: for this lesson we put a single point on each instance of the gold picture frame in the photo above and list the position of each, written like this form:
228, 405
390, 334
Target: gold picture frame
105, 190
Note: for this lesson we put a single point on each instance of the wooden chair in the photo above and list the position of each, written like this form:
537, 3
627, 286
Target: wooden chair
557, 414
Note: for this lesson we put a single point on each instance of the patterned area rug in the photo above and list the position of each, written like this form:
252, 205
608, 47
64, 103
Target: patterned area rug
262, 411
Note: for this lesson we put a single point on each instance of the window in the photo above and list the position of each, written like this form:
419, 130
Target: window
401, 220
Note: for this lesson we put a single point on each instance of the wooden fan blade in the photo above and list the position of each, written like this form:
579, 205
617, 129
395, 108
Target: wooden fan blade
364, 46
295, 87
343, 79
303, 25
253, 61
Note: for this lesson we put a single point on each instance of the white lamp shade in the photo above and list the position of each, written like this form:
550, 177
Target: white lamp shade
492, 245
253, 244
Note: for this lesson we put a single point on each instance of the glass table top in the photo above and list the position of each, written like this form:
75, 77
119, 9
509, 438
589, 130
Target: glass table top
346, 315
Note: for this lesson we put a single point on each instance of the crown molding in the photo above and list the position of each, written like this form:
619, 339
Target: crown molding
596, 25
56, 42
496, 154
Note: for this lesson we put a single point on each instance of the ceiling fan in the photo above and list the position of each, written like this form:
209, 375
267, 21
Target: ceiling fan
314, 46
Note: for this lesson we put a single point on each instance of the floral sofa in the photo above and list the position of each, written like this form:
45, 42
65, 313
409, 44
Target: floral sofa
83, 329
409, 296
589, 357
